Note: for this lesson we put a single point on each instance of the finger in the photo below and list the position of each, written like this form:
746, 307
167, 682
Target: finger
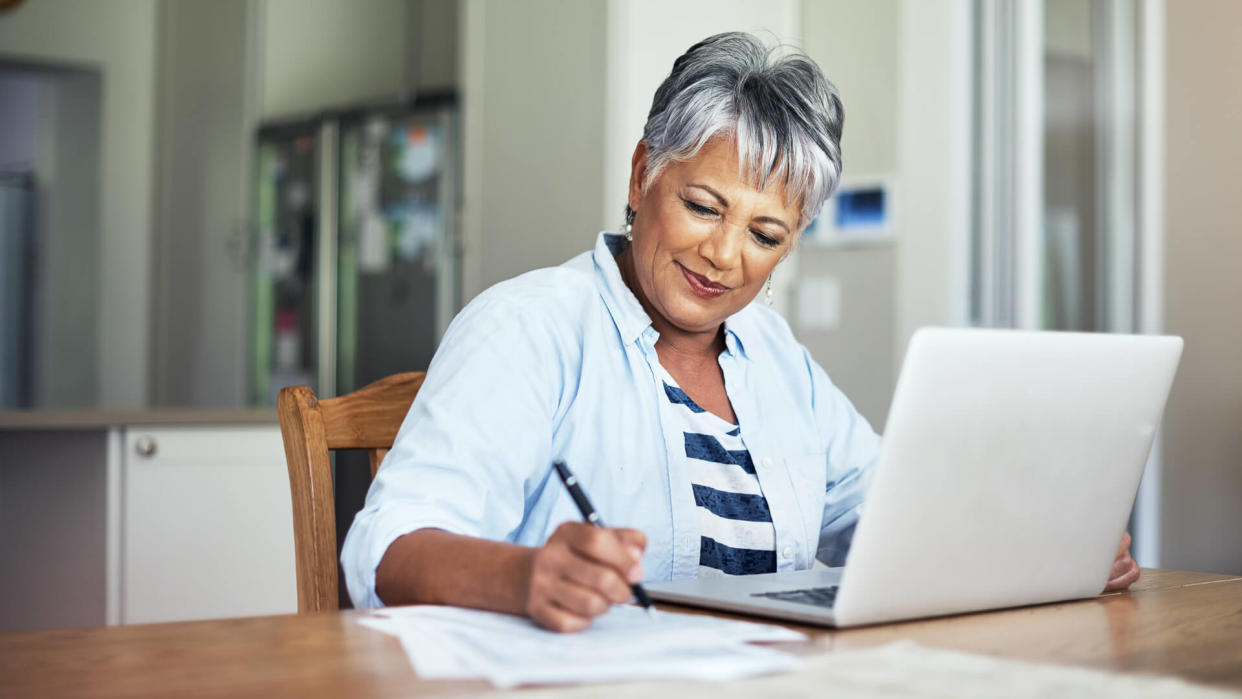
1123, 581
553, 617
632, 538
605, 547
1121, 571
602, 579
1124, 546
636, 542
577, 598
1120, 567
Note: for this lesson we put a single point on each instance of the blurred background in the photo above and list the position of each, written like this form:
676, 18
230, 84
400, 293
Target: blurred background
203, 201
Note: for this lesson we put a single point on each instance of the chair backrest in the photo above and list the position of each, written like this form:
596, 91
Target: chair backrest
365, 419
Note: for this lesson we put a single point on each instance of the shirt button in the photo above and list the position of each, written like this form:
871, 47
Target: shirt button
788, 552
767, 463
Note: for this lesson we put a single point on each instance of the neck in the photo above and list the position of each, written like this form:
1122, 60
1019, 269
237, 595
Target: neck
699, 344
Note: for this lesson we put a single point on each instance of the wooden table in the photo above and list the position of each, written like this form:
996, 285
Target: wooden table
1175, 623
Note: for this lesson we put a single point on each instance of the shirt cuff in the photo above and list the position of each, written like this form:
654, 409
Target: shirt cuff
361, 557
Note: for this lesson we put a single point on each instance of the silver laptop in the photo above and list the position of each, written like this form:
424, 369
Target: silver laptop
1008, 468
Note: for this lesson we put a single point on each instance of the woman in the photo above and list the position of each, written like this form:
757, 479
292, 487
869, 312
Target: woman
693, 418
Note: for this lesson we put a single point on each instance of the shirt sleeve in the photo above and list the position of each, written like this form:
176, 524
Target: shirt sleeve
476, 439
852, 450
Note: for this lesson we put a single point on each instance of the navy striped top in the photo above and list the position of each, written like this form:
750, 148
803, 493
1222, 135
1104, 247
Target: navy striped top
736, 532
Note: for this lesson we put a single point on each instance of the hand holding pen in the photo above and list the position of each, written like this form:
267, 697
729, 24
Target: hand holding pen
590, 515
580, 572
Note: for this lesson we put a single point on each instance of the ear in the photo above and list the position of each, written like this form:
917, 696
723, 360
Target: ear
638, 175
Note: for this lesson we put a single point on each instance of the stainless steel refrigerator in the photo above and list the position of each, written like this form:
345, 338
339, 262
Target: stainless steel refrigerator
358, 248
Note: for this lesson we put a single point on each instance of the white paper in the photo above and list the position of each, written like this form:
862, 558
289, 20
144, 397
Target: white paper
905, 670
625, 644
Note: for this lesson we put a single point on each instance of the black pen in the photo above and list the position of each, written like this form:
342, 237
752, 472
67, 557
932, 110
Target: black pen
592, 517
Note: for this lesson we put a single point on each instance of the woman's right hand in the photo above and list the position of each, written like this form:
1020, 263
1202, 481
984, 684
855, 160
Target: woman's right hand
581, 572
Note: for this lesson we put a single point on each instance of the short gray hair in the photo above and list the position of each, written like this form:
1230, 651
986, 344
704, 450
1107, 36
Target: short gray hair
785, 115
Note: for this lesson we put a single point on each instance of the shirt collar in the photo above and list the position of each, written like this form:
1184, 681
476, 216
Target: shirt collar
736, 327
628, 314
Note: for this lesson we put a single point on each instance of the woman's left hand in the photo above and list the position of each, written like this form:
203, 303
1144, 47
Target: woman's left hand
1125, 570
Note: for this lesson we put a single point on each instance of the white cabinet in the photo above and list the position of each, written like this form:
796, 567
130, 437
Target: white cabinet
207, 528
157, 516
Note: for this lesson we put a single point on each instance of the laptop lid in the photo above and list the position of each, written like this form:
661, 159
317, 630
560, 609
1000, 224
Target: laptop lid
1009, 466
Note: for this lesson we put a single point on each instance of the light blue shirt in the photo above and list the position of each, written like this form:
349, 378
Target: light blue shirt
560, 363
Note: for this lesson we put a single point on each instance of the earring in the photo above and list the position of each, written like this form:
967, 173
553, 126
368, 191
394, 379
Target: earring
628, 226
767, 293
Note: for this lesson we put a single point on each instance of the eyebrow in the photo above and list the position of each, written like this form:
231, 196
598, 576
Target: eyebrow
725, 203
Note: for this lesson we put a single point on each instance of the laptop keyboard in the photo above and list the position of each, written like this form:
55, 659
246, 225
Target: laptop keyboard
818, 596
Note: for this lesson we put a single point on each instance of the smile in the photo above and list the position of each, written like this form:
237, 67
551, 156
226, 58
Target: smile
701, 285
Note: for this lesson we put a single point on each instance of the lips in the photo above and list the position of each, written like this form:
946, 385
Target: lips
701, 285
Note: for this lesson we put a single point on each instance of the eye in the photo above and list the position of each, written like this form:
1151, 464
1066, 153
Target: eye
764, 239
699, 209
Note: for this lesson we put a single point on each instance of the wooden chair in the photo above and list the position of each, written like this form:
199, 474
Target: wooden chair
365, 419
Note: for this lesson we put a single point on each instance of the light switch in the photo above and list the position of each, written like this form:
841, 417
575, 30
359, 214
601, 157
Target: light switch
819, 303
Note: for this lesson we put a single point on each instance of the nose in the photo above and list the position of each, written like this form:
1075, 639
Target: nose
723, 247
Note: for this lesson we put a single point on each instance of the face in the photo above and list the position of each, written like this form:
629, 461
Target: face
705, 240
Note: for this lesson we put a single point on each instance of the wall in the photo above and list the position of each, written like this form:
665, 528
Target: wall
327, 53
431, 50
68, 324
118, 39
1067, 28
1202, 476
533, 101
204, 124
856, 46
933, 165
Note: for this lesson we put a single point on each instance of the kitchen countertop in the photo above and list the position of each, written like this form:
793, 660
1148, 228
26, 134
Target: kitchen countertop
25, 420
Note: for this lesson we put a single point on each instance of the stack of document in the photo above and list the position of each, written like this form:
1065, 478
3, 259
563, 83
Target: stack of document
625, 644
